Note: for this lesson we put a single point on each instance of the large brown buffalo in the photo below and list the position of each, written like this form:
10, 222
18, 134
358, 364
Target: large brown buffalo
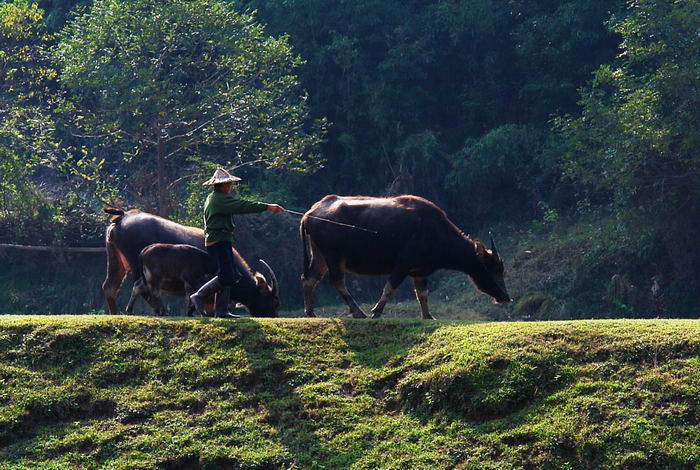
395, 236
132, 231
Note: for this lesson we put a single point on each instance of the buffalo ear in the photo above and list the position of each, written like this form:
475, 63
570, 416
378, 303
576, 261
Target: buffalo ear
261, 283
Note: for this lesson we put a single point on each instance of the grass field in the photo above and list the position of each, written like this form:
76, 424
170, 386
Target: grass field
135, 392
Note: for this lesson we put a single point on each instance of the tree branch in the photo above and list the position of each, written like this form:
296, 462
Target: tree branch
195, 129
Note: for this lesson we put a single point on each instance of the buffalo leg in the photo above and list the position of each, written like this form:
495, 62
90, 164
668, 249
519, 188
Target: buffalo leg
190, 309
337, 277
421, 286
309, 285
312, 276
393, 283
155, 303
116, 272
140, 288
189, 290
152, 281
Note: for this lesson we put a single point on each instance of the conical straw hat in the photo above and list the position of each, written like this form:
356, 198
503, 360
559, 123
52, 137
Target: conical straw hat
221, 176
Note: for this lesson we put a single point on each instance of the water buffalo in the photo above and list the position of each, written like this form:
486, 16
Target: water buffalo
173, 269
396, 236
132, 231
182, 269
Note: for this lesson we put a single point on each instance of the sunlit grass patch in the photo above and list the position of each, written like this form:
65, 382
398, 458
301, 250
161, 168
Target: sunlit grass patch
133, 392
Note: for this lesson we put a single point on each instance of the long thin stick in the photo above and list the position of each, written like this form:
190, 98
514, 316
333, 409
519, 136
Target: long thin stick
331, 221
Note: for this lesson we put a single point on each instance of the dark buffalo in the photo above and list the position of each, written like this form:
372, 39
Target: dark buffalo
173, 269
132, 231
183, 269
397, 236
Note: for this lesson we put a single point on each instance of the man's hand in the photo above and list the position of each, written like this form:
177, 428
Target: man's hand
275, 208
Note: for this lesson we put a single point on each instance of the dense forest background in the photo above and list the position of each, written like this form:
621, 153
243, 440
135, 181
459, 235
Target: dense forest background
568, 129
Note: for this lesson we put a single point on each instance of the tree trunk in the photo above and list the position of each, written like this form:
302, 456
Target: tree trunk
163, 202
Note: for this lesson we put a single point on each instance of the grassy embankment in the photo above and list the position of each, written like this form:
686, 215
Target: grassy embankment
130, 392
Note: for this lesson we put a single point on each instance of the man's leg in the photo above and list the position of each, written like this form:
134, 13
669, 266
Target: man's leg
227, 277
218, 253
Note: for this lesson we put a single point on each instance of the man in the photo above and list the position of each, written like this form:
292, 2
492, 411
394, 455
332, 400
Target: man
218, 230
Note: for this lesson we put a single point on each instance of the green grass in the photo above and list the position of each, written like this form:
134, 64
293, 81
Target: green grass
468, 308
138, 393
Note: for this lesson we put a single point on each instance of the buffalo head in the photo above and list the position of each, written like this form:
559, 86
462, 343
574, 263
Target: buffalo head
488, 272
267, 302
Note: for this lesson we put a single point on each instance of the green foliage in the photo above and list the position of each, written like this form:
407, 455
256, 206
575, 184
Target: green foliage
124, 393
557, 43
637, 141
500, 170
389, 74
22, 37
160, 81
25, 76
58, 12
549, 219
16, 194
637, 137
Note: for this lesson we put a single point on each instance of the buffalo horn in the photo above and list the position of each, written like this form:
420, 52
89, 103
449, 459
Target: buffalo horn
272, 277
493, 247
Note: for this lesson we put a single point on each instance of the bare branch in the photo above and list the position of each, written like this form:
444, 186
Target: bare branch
182, 178
195, 129
261, 160
98, 136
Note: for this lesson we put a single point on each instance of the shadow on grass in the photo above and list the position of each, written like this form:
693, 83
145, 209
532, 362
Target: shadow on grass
48, 354
270, 385
383, 343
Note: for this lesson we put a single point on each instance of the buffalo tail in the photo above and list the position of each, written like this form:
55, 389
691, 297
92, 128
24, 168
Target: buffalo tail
113, 211
117, 213
305, 244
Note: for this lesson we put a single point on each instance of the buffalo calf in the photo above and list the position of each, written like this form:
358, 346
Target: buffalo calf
174, 269
183, 269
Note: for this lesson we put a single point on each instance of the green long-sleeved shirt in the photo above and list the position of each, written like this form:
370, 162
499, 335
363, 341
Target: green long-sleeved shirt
218, 209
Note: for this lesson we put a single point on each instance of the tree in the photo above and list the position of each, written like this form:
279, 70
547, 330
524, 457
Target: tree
637, 139
25, 82
637, 136
395, 76
60, 11
501, 170
164, 81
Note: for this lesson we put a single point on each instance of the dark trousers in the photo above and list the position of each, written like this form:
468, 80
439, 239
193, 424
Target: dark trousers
223, 255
